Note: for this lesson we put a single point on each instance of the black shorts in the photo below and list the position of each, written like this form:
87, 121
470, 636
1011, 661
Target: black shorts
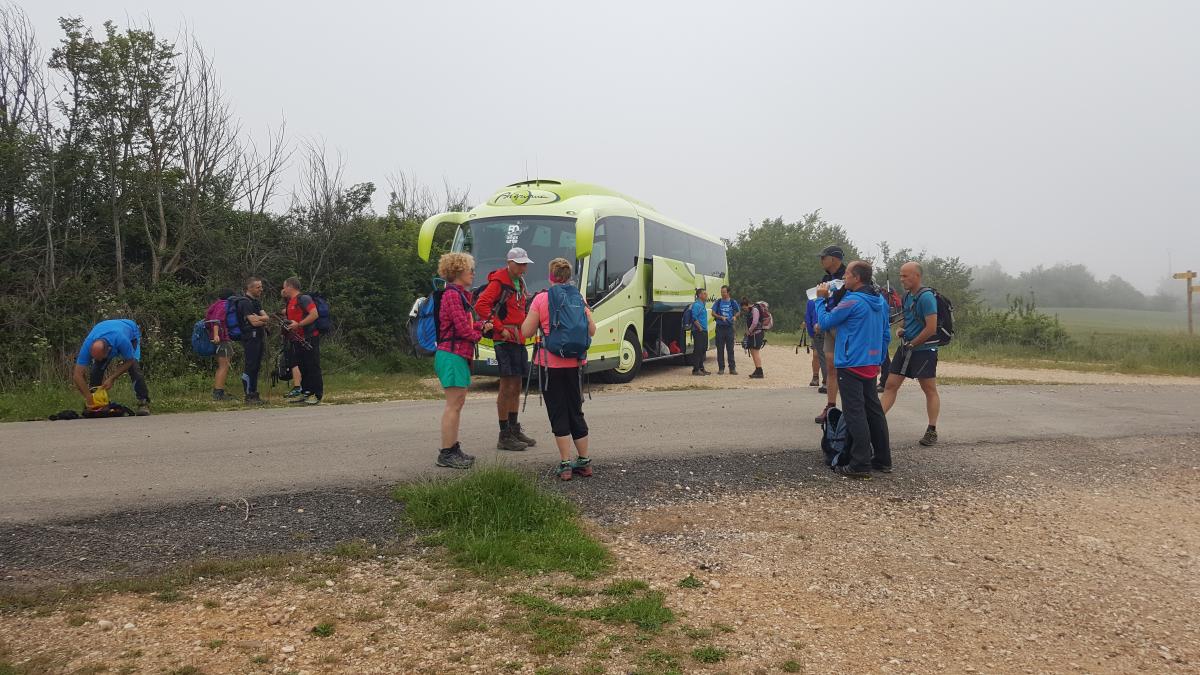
755, 341
920, 364
512, 359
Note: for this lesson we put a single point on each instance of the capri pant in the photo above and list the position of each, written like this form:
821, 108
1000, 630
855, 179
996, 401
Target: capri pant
564, 402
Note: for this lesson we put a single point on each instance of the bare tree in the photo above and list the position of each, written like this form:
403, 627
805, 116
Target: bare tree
259, 183
22, 99
411, 200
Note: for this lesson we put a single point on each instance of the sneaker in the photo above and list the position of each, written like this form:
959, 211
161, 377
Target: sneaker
302, 398
700, 372
218, 394
856, 474
815, 382
453, 458
882, 468
757, 374
520, 436
822, 389
508, 442
930, 438
824, 414
310, 400
296, 392
582, 467
143, 408
565, 471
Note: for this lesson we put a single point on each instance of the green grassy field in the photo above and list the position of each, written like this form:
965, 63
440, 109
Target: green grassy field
1084, 321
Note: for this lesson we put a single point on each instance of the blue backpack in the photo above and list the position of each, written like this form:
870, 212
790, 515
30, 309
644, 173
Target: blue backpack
423, 331
835, 439
688, 318
324, 322
202, 343
568, 336
233, 322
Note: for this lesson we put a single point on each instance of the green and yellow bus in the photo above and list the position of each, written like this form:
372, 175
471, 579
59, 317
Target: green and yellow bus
637, 269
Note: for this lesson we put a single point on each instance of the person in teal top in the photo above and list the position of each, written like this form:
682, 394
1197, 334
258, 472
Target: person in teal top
699, 328
917, 357
725, 310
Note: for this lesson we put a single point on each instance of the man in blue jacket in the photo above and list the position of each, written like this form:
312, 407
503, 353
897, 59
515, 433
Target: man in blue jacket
861, 324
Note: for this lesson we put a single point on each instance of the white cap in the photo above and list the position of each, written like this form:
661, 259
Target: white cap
518, 255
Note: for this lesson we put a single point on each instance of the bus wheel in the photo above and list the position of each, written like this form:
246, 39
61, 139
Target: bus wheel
629, 360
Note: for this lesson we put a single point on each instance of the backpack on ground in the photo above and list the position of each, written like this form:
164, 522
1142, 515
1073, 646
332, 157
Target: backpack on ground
202, 343
835, 439
765, 320
324, 322
568, 336
945, 318
233, 321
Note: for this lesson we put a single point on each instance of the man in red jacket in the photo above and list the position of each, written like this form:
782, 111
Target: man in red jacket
503, 301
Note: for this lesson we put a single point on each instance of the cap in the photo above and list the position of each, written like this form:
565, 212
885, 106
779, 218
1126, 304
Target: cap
835, 251
518, 255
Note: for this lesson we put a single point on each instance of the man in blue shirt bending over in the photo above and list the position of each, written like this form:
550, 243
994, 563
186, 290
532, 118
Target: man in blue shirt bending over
119, 338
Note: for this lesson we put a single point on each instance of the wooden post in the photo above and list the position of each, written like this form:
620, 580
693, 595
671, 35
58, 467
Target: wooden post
1188, 275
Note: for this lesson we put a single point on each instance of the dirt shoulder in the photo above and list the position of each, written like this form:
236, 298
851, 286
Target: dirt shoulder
1028, 557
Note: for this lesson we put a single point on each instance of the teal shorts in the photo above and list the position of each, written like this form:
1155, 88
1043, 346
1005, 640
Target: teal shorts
452, 369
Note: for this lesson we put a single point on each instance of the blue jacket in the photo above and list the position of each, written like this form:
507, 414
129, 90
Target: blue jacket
861, 321
810, 317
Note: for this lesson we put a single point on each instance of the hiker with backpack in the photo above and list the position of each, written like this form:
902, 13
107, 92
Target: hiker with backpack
757, 323
218, 335
861, 322
247, 323
725, 311
119, 338
831, 258
304, 334
565, 322
502, 302
696, 318
457, 332
917, 355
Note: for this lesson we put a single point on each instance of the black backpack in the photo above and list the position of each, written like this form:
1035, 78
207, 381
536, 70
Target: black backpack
835, 439
945, 318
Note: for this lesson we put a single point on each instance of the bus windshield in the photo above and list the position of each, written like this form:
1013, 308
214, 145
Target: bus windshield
543, 238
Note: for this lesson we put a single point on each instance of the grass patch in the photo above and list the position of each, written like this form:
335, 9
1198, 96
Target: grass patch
646, 611
690, 581
496, 520
709, 654
625, 587
659, 662
529, 601
324, 629
466, 624
355, 549
572, 592
792, 666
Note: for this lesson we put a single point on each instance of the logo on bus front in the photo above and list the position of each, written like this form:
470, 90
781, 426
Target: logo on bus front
523, 197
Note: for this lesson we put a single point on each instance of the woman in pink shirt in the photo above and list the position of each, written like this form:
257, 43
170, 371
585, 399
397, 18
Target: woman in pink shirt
218, 334
560, 389
458, 331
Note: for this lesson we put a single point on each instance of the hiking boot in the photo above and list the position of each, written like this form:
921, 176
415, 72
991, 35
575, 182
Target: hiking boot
582, 467
824, 414
509, 442
310, 400
856, 474
296, 392
520, 436
700, 372
733, 371
143, 409
253, 399
822, 389
453, 458
720, 371
565, 471
757, 374
815, 382
930, 438
882, 468
218, 394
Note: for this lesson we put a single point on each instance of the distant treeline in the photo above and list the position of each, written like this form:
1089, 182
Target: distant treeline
1066, 285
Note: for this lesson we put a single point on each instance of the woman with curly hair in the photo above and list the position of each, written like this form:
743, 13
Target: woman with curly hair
458, 331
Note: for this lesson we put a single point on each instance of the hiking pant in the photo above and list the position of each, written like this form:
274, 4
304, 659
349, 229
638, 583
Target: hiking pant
818, 347
135, 374
700, 344
725, 342
254, 344
865, 421
564, 403
309, 360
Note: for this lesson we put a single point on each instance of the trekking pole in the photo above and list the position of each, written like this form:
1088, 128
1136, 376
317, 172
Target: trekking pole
529, 375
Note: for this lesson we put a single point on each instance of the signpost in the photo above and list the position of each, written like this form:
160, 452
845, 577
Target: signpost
1188, 276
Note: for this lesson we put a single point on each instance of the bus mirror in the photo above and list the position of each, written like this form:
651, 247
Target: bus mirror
585, 232
425, 237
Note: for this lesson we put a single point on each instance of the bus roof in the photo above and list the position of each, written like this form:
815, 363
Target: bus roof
558, 197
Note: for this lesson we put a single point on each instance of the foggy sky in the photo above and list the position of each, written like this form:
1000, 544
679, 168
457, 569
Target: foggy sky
1026, 132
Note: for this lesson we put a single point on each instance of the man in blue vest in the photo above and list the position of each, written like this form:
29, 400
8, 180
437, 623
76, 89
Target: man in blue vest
115, 338
699, 329
725, 310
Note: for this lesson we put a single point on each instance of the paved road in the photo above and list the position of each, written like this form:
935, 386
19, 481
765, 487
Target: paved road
53, 470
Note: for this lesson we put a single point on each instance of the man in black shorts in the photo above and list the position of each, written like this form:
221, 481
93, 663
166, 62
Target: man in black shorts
503, 301
917, 357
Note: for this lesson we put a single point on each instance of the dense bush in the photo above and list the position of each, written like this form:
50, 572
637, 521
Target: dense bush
1020, 324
